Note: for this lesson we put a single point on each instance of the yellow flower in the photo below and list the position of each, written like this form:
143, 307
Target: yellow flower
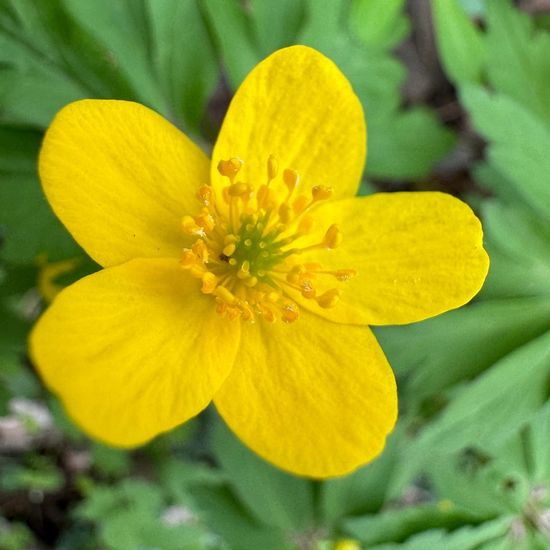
249, 281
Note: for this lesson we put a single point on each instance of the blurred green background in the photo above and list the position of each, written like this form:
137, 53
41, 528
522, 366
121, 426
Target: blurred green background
457, 98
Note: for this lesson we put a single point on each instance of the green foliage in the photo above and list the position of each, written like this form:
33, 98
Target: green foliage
461, 46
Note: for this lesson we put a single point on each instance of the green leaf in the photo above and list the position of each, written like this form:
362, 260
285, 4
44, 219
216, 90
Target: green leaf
29, 225
517, 62
487, 411
538, 448
188, 74
18, 149
399, 524
519, 143
276, 24
284, 501
32, 98
456, 346
379, 23
234, 36
122, 28
109, 461
466, 538
519, 246
362, 491
227, 519
406, 144
460, 43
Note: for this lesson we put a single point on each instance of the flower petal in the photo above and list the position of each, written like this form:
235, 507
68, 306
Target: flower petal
416, 254
120, 177
298, 106
314, 398
134, 350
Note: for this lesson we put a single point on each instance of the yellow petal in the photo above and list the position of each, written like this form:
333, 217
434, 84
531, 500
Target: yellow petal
416, 255
133, 350
314, 398
299, 107
120, 177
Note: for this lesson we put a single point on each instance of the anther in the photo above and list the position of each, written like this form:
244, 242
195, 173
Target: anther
290, 312
204, 194
230, 168
190, 227
291, 179
229, 249
209, 282
200, 250
345, 274
307, 290
329, 298
205, 220
188, 258
321, 193
333, 237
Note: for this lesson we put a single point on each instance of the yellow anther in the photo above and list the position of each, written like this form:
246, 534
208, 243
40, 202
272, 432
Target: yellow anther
209, 282
190, 227
200, 250
306, 225
300, 204
205, 220
233, 261
321, 193
345, 274
248, 242
224, 294
238, 189
273, 297
333, 236
230, 168
228, 239
204, 194
267, 314
188, 258
285, 212
272, 168
229, 249
291, 179
329, 298
290, 312
308, 291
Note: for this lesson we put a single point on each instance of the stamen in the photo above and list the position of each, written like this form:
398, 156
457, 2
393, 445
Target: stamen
321, 193
291, 179
329, 298
209, 282
244, 256
230, 168
333, 237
